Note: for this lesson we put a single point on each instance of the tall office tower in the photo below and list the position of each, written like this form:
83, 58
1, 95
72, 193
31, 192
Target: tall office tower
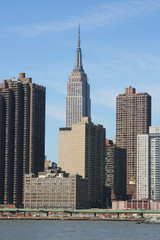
133, 116
78, 103
115, 171
22, 135
82, 151
148, 164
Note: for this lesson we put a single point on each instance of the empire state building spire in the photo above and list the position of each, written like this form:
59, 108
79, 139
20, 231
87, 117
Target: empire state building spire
78, 102
79, 41
78, 66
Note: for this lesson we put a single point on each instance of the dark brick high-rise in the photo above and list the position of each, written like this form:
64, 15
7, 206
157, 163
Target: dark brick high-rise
115, 171
133, 116
22, 135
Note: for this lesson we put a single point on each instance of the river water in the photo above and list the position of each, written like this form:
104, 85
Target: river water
76, 230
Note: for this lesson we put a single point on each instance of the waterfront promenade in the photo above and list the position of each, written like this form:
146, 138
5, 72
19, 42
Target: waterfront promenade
91, 214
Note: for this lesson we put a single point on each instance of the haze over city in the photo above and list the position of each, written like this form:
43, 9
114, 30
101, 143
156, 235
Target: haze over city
120, 48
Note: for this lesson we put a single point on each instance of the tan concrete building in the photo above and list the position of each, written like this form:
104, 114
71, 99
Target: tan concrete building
133, 116
22, 134
82, 151
52, 190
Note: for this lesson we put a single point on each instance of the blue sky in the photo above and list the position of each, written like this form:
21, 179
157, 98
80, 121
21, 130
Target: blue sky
120, 43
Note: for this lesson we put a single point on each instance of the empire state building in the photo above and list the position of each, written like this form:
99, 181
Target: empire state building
78, 103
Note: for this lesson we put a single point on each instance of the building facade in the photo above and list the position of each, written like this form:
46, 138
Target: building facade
82, 151
133, 116
142, 166
48, 165
78, 103
53, 190
115, 171
22, 135
143, 204
148, 165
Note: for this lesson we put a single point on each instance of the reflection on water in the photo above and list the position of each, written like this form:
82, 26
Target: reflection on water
76, 230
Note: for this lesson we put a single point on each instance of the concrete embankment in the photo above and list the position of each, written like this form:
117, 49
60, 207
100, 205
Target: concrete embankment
75, 218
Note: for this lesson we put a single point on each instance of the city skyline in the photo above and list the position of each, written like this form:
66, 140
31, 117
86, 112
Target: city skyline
120, 44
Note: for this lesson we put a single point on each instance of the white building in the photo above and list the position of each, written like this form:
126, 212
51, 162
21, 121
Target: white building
142, 166
154, 135
148, 165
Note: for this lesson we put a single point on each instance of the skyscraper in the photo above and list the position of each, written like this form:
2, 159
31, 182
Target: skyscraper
82, 151
22, 135
148, 165
142, 166
78, 103
115, 171
133, 116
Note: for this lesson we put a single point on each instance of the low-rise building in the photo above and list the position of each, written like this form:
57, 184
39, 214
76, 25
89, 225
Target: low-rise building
143, 204
49, 165
55, 190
